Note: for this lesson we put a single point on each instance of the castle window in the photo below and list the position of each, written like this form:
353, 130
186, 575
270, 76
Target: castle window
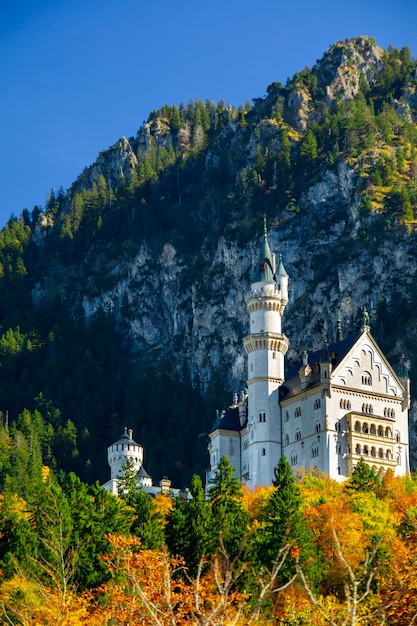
365, 428
338, 448
318, 427
246, 444
357, 427
286, 440
297, 435
372, 430
293, 458
314, 451
373, 451
263, 452
317, 404
366, 379
381, 453
397, 436
262, 417
380, 431
297, 411
388, 432
398, 459
358, 449
287, 417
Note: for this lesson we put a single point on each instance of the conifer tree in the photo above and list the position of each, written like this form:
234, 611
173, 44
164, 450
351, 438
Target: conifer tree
230, 521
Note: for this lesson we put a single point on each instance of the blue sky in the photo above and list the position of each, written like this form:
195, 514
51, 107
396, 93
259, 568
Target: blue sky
76, 75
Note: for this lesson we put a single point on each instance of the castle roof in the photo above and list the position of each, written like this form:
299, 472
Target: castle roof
127, 438
264, 268
142, 473
228, 419
335, 353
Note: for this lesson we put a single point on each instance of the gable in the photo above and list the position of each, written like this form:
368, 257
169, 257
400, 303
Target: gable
365, 368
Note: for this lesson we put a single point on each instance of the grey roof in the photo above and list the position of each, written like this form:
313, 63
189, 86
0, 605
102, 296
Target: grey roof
126, 439
142, 473
228, 420
281, 269
336, 351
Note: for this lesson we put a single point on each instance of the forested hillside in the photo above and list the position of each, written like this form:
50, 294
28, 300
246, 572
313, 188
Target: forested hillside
122, 299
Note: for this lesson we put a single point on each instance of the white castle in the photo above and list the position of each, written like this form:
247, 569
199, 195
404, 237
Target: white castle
338, 405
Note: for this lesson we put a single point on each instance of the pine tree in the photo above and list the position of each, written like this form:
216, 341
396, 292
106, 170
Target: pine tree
230, 520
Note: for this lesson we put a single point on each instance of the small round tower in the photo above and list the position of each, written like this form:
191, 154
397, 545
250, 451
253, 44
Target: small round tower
123, 450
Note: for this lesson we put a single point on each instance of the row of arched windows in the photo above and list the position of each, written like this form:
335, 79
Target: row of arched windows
366, 451
297, 411
293, 458
389, 412
373, 430
317, 403
368, 408
345, 404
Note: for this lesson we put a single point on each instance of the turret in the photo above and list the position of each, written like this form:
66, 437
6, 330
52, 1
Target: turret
123, 450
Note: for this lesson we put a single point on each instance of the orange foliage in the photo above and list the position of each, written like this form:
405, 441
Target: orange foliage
150, 587
254, 502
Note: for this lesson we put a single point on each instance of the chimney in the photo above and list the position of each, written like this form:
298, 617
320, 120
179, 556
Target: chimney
165, 485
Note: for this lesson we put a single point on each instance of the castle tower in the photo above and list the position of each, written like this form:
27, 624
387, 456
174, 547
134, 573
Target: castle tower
123, 450
266, 346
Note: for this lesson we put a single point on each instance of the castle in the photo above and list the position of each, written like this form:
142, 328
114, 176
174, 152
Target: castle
338, 405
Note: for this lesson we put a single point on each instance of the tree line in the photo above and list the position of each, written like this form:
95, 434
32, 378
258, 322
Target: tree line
305, 550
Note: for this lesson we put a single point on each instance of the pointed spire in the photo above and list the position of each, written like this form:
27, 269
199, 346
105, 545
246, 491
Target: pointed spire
264, 268
339, 332
403, 371
325, 356
281, 269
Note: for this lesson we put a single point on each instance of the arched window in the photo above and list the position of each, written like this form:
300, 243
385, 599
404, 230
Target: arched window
314, 451
293, 458
397, 436
365, 428
366, 379
263, 452
286, 440
298, 434
297, 411
262, 417
357, 427
358, 449
287, 417
317, 404
318, 427
246, 444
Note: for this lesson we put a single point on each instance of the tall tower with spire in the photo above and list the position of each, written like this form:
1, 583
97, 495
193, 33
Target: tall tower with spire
266, 346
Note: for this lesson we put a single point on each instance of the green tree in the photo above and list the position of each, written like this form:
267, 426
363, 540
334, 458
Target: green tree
363, 478
230, 521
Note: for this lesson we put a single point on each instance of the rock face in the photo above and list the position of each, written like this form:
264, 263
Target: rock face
191, 306
345, 64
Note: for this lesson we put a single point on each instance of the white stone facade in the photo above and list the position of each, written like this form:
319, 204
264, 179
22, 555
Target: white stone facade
338, 405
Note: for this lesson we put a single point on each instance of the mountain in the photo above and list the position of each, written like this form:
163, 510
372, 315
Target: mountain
122, 300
